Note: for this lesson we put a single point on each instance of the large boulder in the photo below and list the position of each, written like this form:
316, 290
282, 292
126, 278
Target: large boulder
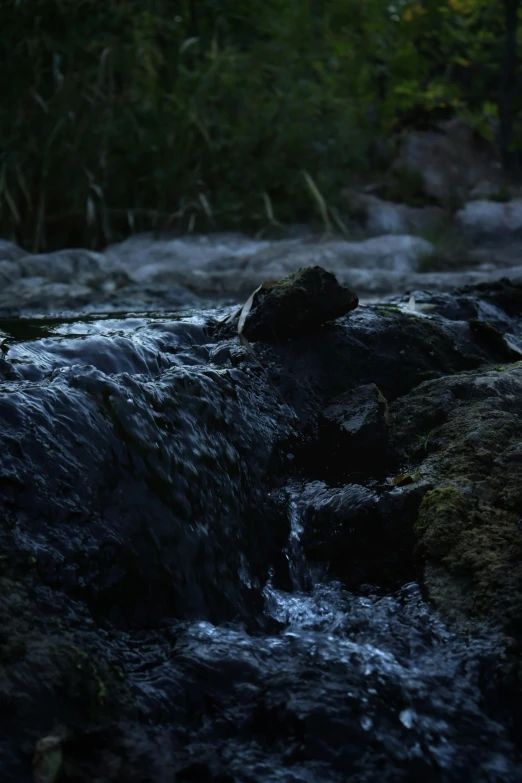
453, 161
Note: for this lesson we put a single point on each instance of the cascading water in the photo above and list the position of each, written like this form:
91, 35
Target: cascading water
139, 488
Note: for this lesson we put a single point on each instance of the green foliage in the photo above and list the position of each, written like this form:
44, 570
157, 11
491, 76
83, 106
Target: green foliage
135, 115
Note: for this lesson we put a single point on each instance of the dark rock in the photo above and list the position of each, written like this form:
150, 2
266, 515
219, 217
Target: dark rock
124, 496
504, 294
50, 673
381, 345
361, 535
354, 426
489, 336
298, 305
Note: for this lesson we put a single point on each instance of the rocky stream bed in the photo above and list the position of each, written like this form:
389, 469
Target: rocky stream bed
267, 545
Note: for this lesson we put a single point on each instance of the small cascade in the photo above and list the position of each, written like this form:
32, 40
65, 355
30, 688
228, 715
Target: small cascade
172, 577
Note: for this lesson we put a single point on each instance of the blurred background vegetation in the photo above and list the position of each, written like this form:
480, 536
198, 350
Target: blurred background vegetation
198, 115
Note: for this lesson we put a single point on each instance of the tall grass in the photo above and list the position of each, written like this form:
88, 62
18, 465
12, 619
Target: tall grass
191, 115
135, 115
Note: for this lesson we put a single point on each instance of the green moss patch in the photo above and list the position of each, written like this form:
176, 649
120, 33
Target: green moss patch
481, 546
469, 525
441, 520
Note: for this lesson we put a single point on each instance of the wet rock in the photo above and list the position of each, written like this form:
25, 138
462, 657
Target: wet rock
492, 337
393, 347
498, 303
297, 305
506, 296
354, 427
461, 429
361, 535
119, 488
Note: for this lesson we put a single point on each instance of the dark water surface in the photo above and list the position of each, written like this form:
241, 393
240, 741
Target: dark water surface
146, 476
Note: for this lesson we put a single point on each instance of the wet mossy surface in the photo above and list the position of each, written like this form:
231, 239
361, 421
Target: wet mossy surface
441, 521
470, 523
480, 545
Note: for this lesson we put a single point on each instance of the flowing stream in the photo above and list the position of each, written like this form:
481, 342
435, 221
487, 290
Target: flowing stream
133, 457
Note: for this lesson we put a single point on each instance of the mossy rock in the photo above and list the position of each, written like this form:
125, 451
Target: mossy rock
297, 305
468, 527
441, 520
480, 545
